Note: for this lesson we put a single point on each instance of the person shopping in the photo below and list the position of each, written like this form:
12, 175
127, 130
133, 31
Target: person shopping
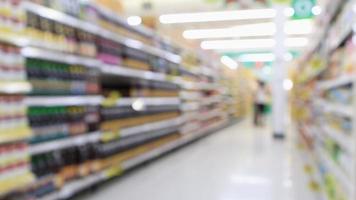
260, 103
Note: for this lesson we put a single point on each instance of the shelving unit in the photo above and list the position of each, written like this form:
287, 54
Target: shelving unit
94, 102
325, 102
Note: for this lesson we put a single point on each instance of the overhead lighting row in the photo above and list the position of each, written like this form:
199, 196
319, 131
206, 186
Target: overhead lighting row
234, 15
252, 44
299, 27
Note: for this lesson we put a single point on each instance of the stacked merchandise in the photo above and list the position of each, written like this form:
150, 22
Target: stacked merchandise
104, 98
15, 166
202, 105
238, 83
324, 105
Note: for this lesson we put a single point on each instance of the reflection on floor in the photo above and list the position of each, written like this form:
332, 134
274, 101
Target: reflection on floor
238, 163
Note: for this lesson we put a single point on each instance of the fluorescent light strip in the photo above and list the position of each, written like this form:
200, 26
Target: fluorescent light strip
262, 57
251, 44
265, 29
258, 57
217, 16
238, 44
229, 62
300, 27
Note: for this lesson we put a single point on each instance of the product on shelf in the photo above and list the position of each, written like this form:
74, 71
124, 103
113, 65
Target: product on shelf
53, 78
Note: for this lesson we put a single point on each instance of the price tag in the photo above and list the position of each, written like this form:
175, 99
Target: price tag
110, 136
114, 171
169, 77
112, 99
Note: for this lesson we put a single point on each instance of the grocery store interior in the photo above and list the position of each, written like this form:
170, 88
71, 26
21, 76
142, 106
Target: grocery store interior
177, 99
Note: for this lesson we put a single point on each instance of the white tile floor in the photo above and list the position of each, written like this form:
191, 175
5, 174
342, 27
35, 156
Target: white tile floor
238, 163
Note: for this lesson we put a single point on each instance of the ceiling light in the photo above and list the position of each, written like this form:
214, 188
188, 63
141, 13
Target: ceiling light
251, 44
134, 20
257, 57
217, 16
263, 29
316, 10
238, 44
229, 62
299, 27
262, 57
296, 42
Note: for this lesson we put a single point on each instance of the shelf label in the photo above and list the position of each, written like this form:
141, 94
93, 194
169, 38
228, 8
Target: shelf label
110, 136
114, 171
112, 99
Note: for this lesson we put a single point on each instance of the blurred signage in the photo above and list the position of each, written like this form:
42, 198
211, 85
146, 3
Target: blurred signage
303, 8
246, 4
281, 1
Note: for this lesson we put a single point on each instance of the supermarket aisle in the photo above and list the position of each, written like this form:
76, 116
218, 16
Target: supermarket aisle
238, 163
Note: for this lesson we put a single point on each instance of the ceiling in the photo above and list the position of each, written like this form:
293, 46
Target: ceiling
156, 8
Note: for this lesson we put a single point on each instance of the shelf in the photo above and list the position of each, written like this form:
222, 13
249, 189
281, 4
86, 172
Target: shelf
15, 87
15, 39
57, 56
335, 170
336, 108
70, 189
343, 140
211, 114
64, 143
347, 20
132, 73
149, 101
168, 147
190, 106
63, 100
127, 132
74, 187
120, 20
96, 30
337, 82
211, 100
192, 96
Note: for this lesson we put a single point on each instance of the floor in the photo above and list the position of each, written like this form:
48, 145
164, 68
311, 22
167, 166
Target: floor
237, 163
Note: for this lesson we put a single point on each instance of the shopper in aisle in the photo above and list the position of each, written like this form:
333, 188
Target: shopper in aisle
260, 103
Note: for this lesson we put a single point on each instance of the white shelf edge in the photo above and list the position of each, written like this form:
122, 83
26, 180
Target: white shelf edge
126, 132
149, 101
344, 141
132, 73
336, 108
15, 87
335, 170
337, 82
64, 143
63, 100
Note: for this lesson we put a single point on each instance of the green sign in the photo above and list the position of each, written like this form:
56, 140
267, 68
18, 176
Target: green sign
281, 1
303, 9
